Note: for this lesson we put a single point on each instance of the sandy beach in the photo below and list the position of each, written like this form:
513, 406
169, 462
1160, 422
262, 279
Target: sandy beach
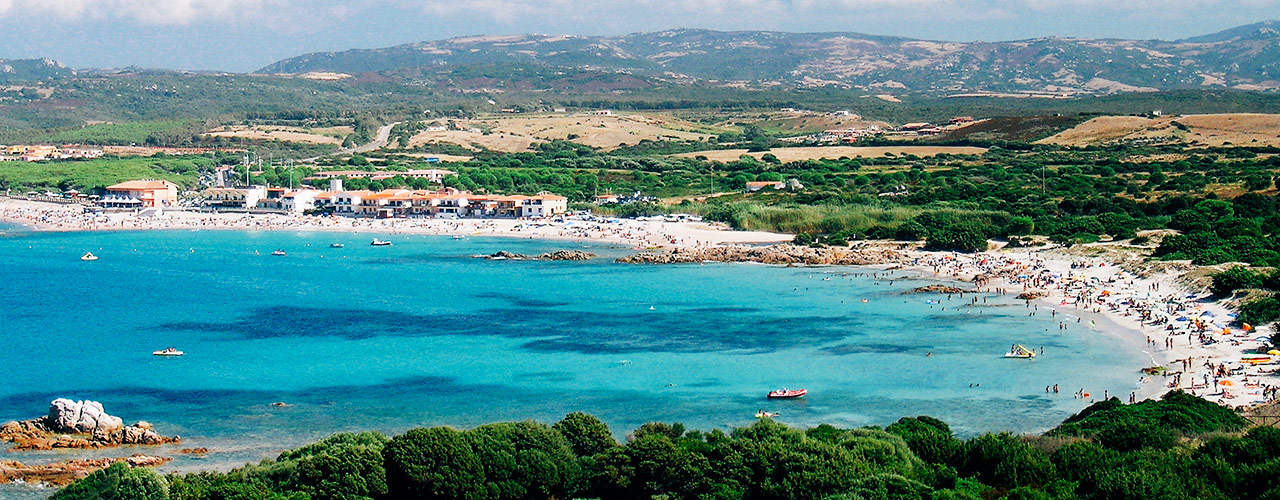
1184, 331
627, 232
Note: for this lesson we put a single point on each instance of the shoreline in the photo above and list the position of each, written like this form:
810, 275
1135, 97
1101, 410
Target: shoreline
1116, 297
49, 217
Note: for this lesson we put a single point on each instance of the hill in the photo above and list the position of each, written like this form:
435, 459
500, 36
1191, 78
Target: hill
25, 70
1246, 57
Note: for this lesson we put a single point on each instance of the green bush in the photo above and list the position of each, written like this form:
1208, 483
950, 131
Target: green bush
1260, 311
1237, 278
960, 237
587, 434
435, 463
117, 482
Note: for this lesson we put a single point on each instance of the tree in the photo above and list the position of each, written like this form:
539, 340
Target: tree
961, 237
1021, 225
434, 463
587, 434
524, 460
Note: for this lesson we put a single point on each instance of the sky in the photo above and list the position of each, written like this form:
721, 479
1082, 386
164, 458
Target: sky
244, 35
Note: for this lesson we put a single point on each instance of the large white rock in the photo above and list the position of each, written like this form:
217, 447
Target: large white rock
80, 417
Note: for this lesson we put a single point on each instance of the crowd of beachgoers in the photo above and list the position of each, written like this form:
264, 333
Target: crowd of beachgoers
1187, 334
1190, 337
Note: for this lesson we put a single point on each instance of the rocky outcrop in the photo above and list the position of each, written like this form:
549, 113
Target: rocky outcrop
1032, 295
80, 417
938, 289
567, 255
556, 255
505, 255
66, 472
775, 254
78, 424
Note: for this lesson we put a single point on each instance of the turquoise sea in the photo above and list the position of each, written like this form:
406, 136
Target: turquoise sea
420, 334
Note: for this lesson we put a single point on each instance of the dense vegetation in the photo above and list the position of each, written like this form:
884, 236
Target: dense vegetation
94, 175
1178, 447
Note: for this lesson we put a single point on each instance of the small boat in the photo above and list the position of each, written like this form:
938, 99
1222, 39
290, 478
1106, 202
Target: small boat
459, 237
788, 394
88, 257
278, 252
1021, 352
336, 245
766, 414
380, 243
168, 351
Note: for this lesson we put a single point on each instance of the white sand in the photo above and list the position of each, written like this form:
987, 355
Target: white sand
639, 234
1103, 297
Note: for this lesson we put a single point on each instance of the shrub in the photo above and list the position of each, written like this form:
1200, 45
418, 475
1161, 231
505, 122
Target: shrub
433, 463
117, 482
961, 237
1260, 311
587, 434
1236, 278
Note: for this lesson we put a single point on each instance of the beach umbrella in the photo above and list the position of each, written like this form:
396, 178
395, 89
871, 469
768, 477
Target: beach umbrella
1226, 382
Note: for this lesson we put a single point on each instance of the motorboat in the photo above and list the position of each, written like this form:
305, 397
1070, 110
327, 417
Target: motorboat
278, 252
380, 243
168, 351
336, 245
788, 394
459, 237
88, 257
1021, 352
766, 414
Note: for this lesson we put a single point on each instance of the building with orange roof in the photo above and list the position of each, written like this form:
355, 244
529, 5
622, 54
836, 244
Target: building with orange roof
144, 193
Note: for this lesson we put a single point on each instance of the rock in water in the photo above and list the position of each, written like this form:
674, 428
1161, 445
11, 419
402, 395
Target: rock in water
567, 255
938, 289
80, 417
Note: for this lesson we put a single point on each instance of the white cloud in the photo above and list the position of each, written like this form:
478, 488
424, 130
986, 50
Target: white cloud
619, 13
149, 11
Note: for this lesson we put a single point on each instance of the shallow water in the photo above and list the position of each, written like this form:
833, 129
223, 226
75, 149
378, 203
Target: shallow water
419, 333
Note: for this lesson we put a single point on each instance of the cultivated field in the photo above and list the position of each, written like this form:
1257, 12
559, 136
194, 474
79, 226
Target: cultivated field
520, 133
1241, 129
327, 135
835, 152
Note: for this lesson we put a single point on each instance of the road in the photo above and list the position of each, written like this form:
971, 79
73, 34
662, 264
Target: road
379, 141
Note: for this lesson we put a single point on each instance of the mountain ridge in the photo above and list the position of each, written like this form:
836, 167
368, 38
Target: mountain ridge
1245, 57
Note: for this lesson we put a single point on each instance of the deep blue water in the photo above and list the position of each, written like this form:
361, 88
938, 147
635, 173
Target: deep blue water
419, 333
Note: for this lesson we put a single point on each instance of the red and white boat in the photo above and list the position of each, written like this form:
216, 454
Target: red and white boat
788, 394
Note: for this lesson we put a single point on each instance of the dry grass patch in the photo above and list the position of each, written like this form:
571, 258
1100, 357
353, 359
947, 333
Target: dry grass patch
326, 135
1240, 129
500, 142
836, 152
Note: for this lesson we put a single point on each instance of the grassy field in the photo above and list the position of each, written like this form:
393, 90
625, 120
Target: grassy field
836, 152
95, 174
